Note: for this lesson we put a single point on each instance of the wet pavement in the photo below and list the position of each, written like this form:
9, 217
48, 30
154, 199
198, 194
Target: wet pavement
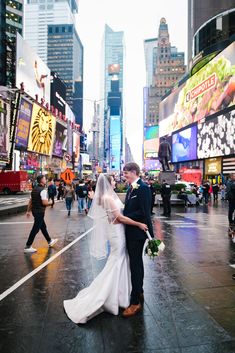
189, 291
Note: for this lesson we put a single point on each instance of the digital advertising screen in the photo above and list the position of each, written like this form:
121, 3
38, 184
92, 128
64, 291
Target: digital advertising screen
76, 146
151, 142
23, 123
42, 131
4, 131
60, 140
184, 145
71, 118
58, 94
152, 164
216, 136
115, 142
31, 71
207, 92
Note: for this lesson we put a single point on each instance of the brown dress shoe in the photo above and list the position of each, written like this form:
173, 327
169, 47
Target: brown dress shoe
132, 310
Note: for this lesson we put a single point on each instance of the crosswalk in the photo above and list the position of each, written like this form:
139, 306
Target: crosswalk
6, 201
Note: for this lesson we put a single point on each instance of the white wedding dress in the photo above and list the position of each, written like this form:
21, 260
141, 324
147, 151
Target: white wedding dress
111, 288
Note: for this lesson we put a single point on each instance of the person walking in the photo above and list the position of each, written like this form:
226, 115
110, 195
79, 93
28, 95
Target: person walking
60, 191
69, 195
52, 192
206, 189
215, 188
81, 192
153, 193
37, 205
231, 200
166, 198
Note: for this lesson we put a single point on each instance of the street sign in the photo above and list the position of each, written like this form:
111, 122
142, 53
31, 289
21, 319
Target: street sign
67, 176
67, 157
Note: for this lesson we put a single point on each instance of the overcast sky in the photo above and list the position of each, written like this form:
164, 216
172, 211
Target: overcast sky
139, 20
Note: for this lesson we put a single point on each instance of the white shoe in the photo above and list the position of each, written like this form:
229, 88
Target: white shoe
30, 250
52, 242
233, 239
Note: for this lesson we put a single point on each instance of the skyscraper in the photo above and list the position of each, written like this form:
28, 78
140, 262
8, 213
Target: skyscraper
112, 70
11, 22
41, 13
150, 51
65, 56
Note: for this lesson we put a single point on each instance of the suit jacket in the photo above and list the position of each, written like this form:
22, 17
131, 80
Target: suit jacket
164, 150
138, 208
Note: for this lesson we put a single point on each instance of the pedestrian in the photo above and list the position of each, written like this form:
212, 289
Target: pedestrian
166, 198
215, 188
223, 191
153, 193
60, 191
182, 195
69, 195
81, 192
164, 154
37, 205
52, 192
91, 194
205, 192
230, 195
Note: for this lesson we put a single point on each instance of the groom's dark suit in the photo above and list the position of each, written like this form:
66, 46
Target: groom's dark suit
138, 208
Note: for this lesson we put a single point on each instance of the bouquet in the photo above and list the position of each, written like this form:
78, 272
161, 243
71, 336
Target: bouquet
153, 247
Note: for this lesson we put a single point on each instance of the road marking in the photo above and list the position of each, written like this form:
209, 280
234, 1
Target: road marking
9, 223
39, 268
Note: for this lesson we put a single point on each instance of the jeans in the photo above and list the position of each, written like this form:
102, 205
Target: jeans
81, 204
231, 209
39, 224
206, 197
68, 202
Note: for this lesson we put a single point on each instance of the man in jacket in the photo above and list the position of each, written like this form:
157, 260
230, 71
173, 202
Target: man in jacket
164, 154
166, 198
82, 193
230, 190
52, 192
37, 205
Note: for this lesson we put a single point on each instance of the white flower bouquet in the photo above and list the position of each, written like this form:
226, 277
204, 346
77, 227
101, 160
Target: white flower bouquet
154, 247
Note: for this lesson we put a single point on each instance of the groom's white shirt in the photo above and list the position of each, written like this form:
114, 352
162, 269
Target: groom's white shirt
134, 182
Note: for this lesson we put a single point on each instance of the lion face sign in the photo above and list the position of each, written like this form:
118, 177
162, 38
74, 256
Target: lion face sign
42, 132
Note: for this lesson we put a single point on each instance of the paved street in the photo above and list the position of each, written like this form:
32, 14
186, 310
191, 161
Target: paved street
8, 200
189, 292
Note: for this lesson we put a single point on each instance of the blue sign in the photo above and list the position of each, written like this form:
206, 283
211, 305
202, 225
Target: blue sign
115, 142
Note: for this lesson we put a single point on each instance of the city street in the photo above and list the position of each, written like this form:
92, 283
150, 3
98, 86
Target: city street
189, 291
9, 200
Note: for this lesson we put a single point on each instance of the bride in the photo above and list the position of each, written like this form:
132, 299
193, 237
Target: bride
111, 288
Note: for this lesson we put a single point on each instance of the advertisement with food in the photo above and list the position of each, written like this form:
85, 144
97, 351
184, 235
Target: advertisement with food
23, 123
42, 131
209, 91
216, 137
4, 131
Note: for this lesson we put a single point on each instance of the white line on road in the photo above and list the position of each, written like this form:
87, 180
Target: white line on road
39, 268
10, 223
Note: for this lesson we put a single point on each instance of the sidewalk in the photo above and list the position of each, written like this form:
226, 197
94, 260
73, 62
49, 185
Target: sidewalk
189, 292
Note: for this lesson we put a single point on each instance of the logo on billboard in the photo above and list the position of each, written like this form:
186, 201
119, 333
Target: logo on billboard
42, 131
204, 86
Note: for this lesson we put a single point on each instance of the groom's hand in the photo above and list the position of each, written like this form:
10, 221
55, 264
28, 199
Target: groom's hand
143, 227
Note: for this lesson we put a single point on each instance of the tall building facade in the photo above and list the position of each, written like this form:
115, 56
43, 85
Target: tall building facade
112, 70
150, 51
168, 67
199, 12
65, 56
11, 17
41, 13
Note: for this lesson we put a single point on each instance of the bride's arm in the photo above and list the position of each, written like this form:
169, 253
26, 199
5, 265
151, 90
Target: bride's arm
125, 220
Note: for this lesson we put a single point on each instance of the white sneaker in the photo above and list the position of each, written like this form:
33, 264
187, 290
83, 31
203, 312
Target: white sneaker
30, 250
52, 242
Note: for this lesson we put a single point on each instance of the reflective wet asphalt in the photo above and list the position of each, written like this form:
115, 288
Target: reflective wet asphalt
189, 291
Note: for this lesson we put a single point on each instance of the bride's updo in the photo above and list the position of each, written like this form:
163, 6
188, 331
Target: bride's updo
102, 186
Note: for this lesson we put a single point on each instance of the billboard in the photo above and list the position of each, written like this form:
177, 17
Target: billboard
4, 131
23, 123
207, 92
60, 141
76, 146
151, 142
71, 118
42, 131
152, 165
113, 69
216, 136
31, 71
213, 166
184, 145
115, 142
58, 94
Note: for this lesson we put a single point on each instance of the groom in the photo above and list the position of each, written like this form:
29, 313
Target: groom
138, 208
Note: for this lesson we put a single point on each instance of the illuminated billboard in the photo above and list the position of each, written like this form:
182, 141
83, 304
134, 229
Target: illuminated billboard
151, 142
184, 145
23, 123
31, 71
60, 141
4, 131
216, 136
207, 92
113, 69
115, 142
42, 131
